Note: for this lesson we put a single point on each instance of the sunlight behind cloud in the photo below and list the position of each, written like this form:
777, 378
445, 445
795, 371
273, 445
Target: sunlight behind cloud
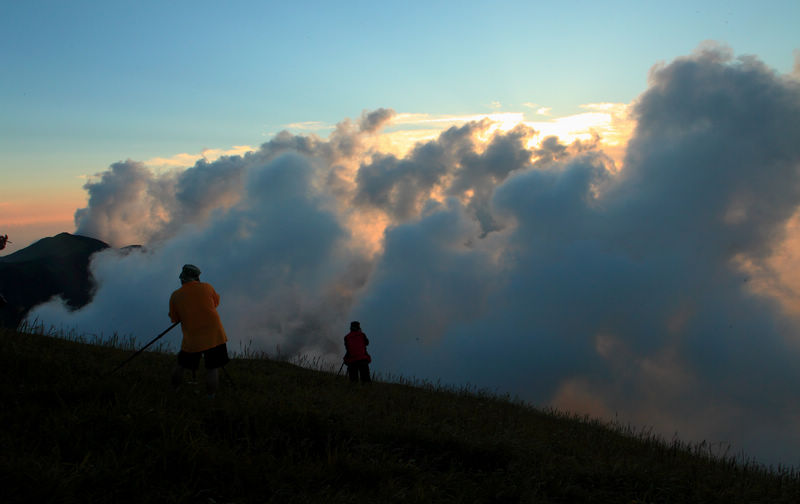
779, 278
309, 126
184, 159
609, 121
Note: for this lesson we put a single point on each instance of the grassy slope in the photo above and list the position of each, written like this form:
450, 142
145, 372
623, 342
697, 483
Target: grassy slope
289, 434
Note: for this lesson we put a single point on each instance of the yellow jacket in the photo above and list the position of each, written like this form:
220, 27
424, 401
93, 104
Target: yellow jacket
194, 305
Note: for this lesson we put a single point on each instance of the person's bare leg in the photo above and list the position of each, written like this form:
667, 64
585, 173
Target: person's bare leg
177, 376
212, 381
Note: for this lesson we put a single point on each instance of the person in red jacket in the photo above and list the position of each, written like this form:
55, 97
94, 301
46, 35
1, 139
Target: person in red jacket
356, 356
194, 305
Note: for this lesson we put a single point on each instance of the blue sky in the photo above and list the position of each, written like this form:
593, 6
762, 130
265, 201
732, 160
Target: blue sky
86, 84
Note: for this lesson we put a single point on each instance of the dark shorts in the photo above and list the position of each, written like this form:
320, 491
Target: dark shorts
214, 358
359, 369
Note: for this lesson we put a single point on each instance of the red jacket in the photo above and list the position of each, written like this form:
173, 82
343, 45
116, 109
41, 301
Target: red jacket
356, 345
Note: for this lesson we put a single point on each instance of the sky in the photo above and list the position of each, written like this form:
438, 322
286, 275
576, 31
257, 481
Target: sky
591, 207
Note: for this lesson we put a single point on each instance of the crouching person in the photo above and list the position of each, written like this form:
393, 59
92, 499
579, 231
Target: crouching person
194, 305
356, 356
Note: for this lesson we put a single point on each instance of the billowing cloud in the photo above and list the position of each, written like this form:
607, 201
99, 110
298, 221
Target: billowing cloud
127, 203
536, 266
373, 121
278, 256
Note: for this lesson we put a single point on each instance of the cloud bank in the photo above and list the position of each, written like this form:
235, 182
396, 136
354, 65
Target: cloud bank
532, 267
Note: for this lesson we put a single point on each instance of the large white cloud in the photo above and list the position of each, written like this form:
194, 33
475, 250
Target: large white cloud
544, 271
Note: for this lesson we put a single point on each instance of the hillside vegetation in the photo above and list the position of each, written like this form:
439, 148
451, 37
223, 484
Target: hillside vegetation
278, 432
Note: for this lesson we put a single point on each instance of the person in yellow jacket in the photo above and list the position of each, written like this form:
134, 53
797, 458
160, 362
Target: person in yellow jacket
194, 305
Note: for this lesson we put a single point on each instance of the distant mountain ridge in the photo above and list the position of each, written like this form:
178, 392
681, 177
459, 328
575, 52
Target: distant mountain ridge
58, 265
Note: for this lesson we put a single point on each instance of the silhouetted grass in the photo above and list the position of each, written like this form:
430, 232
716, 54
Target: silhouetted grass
286, 433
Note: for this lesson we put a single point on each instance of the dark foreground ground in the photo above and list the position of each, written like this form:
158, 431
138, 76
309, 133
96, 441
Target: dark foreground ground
288, 434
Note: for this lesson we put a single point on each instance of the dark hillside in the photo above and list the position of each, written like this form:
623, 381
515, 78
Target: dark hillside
287, 434
58, 265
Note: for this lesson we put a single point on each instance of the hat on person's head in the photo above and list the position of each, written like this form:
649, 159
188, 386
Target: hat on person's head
190, 272
355, 325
